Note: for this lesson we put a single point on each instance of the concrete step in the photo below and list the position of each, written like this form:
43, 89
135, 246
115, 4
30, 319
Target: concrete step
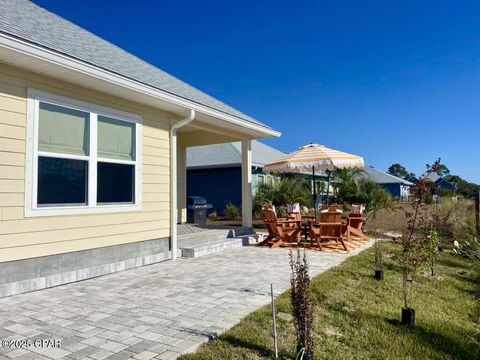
202, 237
207, 242
211, 247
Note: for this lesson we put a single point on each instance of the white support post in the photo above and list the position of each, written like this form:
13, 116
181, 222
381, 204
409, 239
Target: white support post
247, 183
174, 180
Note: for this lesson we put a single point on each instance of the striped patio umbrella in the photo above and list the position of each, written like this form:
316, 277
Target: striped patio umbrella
314, 157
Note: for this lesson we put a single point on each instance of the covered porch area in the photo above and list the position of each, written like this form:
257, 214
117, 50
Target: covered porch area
205, 130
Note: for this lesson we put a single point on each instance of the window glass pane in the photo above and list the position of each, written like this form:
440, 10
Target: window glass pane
116, 139
115, 183
63, 130
62, 181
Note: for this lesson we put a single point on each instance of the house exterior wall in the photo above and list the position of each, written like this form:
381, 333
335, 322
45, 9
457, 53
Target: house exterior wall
397, 190
37, 237
393, 189
259, 178
219, 186
444, 184
222, 185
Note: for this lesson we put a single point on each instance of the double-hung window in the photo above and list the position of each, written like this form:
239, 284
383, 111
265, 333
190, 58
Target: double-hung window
81, 158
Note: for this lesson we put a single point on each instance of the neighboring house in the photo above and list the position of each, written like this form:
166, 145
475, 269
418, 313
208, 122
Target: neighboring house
92, 152
214, 171
398, 187
440, 182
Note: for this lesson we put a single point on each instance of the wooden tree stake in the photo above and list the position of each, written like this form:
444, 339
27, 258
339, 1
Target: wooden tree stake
477, 211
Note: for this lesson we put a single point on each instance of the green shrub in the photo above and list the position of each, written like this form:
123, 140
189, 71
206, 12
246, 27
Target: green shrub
428, 198
445, 193
353, 188
232, 212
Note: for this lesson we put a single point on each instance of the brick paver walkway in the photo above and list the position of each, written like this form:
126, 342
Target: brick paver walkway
157, 311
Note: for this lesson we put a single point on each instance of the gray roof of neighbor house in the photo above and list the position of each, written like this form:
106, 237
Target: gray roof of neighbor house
433, 177
381, 177
229, 154
25, 20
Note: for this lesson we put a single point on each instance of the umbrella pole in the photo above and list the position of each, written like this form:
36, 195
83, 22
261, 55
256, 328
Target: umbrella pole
314, 193
328, 186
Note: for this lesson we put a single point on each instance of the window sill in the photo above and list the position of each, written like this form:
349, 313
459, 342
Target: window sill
77, 210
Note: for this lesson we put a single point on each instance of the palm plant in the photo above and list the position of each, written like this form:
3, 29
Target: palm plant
287, 190
375, 198
352, 188
347, 185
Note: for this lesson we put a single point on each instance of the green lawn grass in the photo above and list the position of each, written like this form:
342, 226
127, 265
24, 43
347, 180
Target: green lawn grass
357, 317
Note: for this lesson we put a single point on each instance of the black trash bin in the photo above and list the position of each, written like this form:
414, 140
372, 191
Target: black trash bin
196, 210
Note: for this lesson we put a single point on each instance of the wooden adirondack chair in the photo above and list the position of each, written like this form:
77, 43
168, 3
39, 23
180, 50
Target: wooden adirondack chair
354, 226
293, 213
279, 231
334, 207
329, 228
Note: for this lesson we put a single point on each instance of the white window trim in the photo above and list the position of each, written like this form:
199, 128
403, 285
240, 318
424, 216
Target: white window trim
31, 166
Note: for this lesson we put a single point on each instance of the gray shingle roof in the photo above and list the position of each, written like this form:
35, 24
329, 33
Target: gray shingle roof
27, 21
230, 154
381, 177
433, 177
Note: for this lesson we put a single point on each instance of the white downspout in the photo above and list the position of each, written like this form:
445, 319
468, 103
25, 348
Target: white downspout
173, 181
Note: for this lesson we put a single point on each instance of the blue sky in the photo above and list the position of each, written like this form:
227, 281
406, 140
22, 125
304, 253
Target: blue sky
393, 81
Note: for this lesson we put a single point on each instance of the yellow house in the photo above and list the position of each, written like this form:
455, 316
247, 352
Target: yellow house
92, 152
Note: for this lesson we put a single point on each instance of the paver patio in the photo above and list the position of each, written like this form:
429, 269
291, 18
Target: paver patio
154, 312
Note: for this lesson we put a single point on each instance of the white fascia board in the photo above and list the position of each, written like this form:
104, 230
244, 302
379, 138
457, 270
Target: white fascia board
52, 57
222, 166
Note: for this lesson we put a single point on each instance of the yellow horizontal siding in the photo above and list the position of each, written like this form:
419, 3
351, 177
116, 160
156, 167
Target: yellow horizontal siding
80, 221
14, 199
12, 145
11, 186
22, 237
12, 132
155, 142
155, 179
11, 213
14, 105
12, 118
25, 252
156, 170
153, 151
151, 188
155, 197
156, 206
156, 160
14, 159
155, 133
11, 172
43, 237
